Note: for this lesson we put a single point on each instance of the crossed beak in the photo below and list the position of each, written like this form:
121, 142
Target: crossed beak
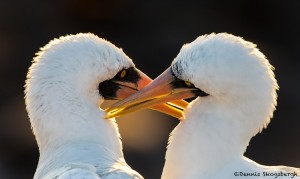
162, 93
126, 89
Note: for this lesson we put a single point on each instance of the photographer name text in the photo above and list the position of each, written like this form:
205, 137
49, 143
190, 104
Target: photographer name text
266, 174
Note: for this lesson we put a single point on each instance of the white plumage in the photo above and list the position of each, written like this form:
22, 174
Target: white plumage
215, 131
62, 101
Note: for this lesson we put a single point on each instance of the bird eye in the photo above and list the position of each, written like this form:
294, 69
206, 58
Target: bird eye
188, 83
123, 73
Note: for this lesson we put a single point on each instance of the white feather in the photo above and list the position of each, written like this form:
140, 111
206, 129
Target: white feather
62, 101
212, 138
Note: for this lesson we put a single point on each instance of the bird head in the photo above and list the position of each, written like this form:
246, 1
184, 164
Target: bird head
82, 67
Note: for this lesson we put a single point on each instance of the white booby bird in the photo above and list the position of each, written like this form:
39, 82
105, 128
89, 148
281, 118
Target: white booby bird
236, 96
67, 82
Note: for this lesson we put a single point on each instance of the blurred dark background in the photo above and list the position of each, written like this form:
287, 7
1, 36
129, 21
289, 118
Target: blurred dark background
151, 33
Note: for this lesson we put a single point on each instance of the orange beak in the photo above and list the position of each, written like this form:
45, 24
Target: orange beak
162, 90
174, 108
